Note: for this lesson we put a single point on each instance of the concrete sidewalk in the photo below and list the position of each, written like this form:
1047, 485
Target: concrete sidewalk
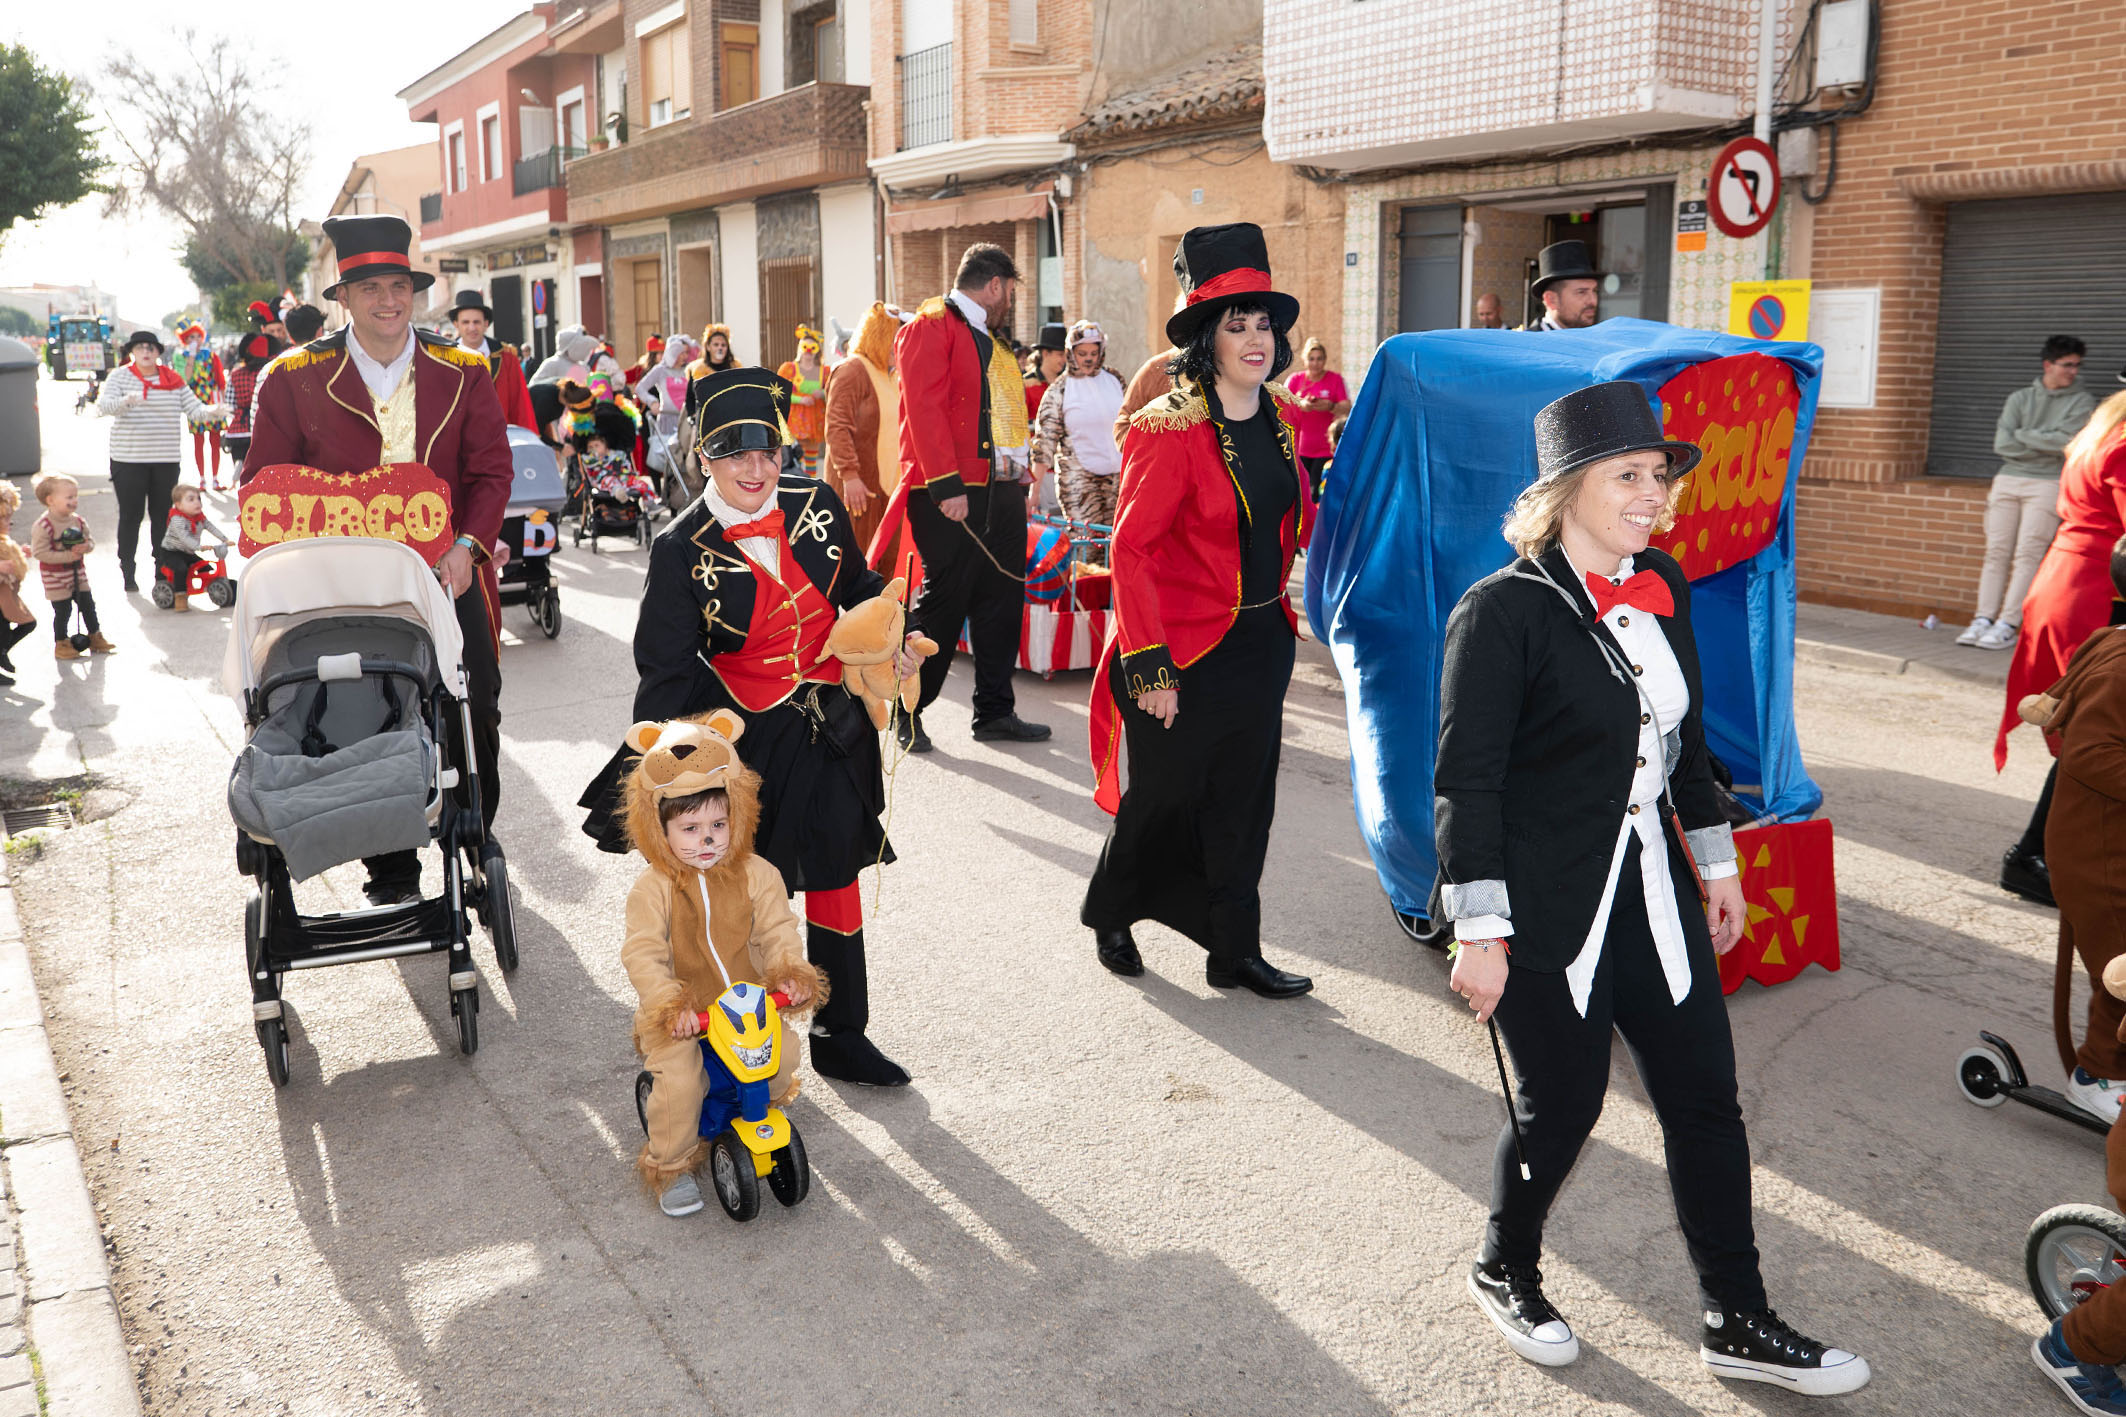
1887, 644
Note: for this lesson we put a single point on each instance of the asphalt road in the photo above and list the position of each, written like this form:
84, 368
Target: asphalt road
1099, 1195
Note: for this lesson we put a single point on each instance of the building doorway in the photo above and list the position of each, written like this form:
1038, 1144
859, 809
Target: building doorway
789, 297
646, 279
695, 275
508, 302
590, 304
1429, 274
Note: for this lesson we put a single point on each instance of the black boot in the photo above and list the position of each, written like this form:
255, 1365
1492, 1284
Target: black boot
2024, 873
908, 731
1117, 949
851, 1057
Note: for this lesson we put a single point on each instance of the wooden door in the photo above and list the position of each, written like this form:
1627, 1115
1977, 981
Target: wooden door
788, 298
649, 307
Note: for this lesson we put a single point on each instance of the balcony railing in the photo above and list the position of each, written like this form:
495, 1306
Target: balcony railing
431, 208
926, 97
541, 170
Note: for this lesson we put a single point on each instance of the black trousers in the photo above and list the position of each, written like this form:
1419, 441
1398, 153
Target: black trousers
1193, 828
63, 618
483, 687
1686, 1059
143, 489
964, 586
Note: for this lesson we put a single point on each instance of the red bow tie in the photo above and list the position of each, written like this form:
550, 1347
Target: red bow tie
769, 525
1644, 591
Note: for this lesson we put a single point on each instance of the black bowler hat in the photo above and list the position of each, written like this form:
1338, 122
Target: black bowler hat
742, 410
1220, 266
366, 246
1053, 337
1563, 260
471, 300
138, 338
1602, 421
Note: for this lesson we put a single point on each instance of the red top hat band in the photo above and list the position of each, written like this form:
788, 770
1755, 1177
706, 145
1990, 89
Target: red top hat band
371, 258
1242, 280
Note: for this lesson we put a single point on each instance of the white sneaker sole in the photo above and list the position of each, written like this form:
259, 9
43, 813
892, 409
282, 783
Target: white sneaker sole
2095, 1101
2059, 1376
1550, 1355
1809, 1382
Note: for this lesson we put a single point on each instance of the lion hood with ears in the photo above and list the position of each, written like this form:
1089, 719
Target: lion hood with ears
750, 926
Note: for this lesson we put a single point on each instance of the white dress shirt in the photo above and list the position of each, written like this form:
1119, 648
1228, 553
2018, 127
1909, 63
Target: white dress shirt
765, 550
976, 315
1666, 700
382, 380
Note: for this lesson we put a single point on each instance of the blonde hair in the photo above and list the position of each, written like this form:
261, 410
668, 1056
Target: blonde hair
1538, 514
2103, 423
47, 485
9, 497
1310, 346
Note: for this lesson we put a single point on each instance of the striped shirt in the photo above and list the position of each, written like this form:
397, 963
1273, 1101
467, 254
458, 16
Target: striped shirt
153, 431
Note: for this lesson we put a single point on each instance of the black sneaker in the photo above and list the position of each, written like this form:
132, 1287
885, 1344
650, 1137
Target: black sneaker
1760, 1347
2024, 873
1010, 729
1511, 1296
908, 731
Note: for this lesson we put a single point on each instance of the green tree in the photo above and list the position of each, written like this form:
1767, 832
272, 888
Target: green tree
232, 303
50, 158
15, 322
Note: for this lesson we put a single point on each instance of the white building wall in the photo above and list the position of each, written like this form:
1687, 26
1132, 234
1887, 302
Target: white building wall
740, 252
848, 256
856, 41
772, 65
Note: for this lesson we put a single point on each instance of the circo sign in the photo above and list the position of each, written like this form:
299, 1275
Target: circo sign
1745, 187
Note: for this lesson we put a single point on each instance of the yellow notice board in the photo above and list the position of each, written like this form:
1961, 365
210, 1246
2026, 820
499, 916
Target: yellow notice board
1768, 309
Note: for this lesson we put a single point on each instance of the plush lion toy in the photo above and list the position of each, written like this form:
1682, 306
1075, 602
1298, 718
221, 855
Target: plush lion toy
865, 639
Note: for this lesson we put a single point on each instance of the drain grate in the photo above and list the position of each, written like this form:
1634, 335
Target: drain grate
56, 816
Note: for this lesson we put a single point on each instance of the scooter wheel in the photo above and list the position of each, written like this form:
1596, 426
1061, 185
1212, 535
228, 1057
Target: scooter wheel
731, 1176
1979, 1076
792, 1176
2073, 1252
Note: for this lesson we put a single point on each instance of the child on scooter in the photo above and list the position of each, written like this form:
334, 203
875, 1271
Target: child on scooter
184, 541
2081, 1351
705, 913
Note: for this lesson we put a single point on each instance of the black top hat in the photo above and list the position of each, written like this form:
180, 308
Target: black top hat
471, 300
1053, 337
742, 410
1220, 266
138, 338
365, 246
1602, 421
1563, 260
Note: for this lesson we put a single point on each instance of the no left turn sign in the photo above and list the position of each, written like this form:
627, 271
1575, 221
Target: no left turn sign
1745, 187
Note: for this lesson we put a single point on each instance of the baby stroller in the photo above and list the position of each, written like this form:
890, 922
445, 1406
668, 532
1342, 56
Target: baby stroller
345, 655
610, 513
531, 529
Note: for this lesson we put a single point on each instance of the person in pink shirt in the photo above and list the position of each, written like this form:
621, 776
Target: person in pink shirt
1321, 401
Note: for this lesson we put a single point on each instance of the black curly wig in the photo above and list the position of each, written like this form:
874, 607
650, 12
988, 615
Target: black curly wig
1197, 362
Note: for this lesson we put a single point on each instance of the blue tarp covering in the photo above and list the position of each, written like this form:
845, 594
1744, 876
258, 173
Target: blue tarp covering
1439, 443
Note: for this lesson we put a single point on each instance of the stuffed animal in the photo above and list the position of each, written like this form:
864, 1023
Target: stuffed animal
865, 640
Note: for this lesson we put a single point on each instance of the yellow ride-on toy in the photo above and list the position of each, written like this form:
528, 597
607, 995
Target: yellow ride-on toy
749, 1140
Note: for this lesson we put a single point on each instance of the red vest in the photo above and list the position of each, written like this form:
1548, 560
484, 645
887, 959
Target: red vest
784, 642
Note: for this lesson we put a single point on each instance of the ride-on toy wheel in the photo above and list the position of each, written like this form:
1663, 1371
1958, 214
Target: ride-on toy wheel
2072, 1252
1980, 1073
497, 910
273, 1037
644, 1081
222, 593
162, 594
732, 1177
465, 1005
792, 1176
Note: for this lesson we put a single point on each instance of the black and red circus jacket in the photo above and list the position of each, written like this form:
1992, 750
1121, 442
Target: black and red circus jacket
1177, 557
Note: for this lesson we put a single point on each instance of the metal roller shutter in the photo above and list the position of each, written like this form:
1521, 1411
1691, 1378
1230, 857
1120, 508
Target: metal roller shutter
2013, 273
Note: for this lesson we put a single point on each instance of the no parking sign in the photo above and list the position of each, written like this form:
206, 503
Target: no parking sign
1768, 309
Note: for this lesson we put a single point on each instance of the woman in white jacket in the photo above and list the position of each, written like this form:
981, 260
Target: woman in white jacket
150, 403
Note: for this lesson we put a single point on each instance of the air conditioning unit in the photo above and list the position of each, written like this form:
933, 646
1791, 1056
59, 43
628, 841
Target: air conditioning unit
1842, 44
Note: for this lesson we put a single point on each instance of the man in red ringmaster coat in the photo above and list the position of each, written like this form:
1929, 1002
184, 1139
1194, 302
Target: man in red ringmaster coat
471, 316
378, 391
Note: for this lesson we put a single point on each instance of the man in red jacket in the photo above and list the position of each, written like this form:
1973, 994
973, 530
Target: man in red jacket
378, 391
967, 514
472, 315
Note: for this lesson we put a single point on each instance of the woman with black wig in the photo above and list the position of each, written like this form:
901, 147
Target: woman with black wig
1212, 510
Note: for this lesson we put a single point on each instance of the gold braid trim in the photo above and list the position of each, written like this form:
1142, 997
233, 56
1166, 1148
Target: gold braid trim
931, 309
455, 354
1185, 407
1136, 684
303, 358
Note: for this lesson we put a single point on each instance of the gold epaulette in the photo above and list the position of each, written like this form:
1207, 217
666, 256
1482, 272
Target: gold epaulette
1281, 393
454, 353
930, 309
316, 352
1185, 407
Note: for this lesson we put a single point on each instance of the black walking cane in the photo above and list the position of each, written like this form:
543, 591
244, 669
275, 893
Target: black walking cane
1513, 1118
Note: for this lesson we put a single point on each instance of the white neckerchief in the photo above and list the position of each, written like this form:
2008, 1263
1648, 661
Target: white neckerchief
382, 380
764, 549
976, 315
1090, 405
1665, 699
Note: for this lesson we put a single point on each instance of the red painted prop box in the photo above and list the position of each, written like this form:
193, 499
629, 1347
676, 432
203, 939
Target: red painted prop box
399, 502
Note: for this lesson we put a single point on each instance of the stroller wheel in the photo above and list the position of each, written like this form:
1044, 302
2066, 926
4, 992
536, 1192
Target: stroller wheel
1979, 1075
644, 1081
222, 592
465, 1003
498, 912
273, 1037
546, 612
2072, 1252
1419, 929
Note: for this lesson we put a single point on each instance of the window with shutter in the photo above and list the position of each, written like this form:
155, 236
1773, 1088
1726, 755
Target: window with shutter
1026, 22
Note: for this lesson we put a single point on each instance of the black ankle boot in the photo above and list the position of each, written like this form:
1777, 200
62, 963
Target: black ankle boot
851, 1057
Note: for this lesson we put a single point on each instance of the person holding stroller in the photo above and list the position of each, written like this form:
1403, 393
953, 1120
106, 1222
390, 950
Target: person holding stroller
1578, 835
742, 591
377, 391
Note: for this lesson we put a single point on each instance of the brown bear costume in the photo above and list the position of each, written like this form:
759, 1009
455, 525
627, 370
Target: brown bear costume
750, 929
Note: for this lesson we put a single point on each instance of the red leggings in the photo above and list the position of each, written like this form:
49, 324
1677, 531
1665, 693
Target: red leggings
200, 438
